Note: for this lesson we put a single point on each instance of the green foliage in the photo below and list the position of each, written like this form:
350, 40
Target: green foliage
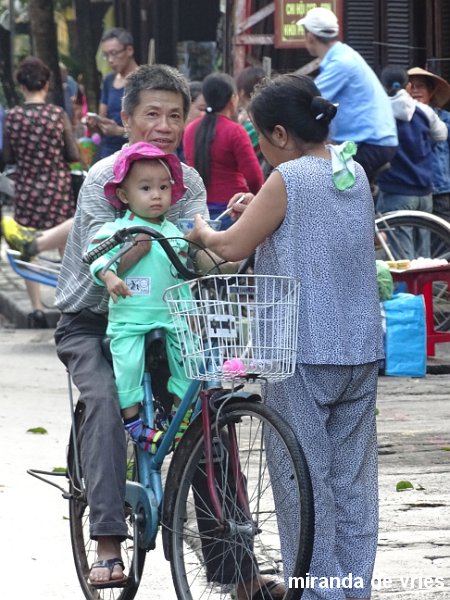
40, 430
404, 485
59, 470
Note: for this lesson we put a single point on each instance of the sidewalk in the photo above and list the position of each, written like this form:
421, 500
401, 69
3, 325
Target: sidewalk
413, 560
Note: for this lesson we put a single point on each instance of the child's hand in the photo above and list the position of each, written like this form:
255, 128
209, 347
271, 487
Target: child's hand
115, 286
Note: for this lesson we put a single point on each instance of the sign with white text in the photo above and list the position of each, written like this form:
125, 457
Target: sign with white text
287, 33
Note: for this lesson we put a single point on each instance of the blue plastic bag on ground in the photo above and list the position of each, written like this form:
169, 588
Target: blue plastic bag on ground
405, 336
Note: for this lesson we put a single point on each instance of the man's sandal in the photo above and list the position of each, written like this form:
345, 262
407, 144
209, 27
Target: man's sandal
109, 563
267, 591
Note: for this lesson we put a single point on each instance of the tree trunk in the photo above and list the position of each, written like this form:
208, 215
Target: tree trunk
89, 22
45, 45
6, 76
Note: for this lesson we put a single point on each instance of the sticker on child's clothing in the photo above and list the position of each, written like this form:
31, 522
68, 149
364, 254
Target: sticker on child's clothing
139, 286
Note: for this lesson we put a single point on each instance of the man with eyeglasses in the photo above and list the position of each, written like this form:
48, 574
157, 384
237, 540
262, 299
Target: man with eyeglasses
118, 50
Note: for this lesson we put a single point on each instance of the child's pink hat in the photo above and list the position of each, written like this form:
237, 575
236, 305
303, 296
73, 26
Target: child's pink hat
125, 159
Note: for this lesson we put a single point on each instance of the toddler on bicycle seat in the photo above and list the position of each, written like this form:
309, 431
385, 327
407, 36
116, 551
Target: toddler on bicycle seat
146, 182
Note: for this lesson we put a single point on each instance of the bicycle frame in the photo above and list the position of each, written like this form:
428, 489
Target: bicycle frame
148, 493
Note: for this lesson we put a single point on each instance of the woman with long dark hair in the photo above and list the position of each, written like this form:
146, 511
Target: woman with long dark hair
220, 148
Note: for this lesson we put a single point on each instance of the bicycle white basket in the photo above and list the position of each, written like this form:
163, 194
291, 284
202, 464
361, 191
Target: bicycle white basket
236, 326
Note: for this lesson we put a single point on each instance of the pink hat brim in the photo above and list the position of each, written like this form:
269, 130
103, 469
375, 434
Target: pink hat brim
138, 151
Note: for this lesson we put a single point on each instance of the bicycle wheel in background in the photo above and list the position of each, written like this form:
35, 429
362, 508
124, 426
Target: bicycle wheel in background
84, 549
392, 226
207, 562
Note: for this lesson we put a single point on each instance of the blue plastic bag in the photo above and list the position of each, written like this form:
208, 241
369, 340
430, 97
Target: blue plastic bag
405, 336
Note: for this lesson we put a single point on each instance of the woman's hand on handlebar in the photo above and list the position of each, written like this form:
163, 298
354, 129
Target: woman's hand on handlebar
115, 286
238, 209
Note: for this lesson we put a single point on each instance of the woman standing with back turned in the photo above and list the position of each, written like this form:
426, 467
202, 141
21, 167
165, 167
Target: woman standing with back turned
39, 140
314, 219
220, 148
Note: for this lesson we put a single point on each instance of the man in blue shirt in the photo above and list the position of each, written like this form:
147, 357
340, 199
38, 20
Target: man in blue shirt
364, 115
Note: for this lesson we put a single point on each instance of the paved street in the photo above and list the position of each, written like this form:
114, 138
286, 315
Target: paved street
414, 425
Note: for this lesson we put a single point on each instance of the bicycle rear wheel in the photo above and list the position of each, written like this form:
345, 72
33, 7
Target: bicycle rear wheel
83, 547
416, 225
209, 563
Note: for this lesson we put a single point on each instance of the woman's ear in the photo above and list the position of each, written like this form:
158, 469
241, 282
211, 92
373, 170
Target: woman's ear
122, 195
279, 136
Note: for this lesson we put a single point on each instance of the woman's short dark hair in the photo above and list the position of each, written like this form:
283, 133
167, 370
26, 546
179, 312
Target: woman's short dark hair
154, 77
294, 102
122, 35
394, 78
248, 78
217, 90
32, 73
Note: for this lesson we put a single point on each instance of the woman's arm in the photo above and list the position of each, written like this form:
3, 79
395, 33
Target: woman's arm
259, 220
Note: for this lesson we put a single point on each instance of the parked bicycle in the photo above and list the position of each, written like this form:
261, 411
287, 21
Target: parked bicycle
396, 230
216, 509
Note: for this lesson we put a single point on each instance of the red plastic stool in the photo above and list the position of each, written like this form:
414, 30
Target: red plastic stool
420, 281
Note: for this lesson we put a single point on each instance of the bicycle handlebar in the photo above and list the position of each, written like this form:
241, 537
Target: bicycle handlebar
124, 236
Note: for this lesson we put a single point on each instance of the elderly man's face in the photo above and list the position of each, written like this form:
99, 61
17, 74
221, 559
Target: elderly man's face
158, 119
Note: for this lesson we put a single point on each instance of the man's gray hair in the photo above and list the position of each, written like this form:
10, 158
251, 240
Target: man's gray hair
154, 77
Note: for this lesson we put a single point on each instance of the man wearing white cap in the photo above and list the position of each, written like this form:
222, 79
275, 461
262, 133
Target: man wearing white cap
364, 114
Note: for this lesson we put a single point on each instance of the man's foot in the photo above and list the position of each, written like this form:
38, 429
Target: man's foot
20, 238
107, 571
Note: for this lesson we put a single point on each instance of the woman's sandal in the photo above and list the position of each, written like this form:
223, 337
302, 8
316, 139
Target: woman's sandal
109, 563
267, 591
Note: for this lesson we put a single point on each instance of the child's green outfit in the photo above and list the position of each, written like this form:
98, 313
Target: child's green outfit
134, 316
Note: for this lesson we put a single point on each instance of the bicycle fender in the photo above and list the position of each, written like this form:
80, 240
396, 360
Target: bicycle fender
229, 395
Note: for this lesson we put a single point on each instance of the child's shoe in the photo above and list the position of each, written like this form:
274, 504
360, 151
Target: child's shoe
149, 439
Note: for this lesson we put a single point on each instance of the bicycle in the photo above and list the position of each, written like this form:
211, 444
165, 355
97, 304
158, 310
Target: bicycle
217, 509
391, 229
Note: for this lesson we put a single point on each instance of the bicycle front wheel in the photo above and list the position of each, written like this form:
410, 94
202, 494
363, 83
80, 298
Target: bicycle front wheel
406, 229
83, 547
212, 561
